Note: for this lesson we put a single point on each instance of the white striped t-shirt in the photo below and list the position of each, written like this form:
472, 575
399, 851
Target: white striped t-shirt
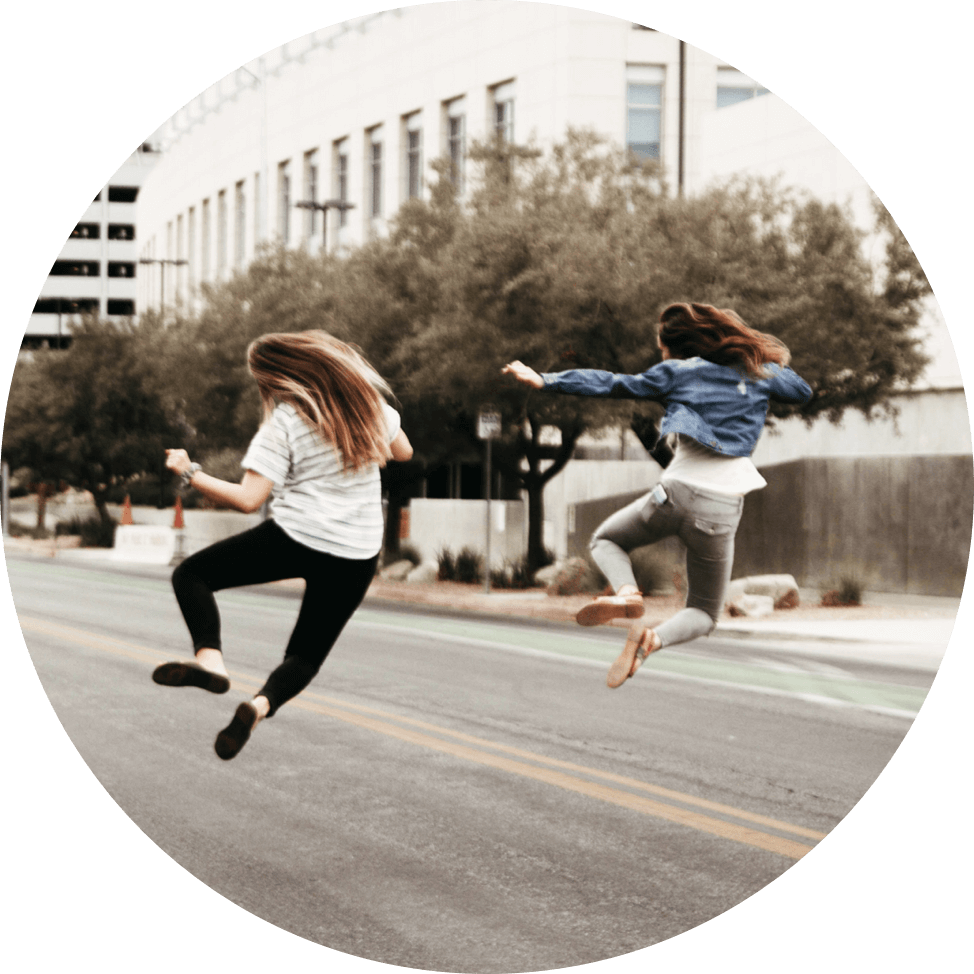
313, 501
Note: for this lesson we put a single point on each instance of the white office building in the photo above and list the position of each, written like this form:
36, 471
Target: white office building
352, 116
97, 269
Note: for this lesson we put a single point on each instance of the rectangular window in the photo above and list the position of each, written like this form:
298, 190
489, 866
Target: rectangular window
222, 227
66, 306
413, 161
180, 256
503, 101
644, 111
239, 224
121, 231
191, 246
258, 211
375, 172
87, 231
733, 86
121, 306
205, 241
456, 140
123, 194
340, 169
284, 201
76, 268
310, 227
120, 268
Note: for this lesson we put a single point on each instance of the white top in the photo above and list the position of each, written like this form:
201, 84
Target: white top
697, 466
313, 501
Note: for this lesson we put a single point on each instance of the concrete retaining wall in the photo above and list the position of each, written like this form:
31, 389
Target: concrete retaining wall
435, 525
896, 524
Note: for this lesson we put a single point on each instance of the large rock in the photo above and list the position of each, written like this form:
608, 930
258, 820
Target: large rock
424, 574
752, 606
397, 571
781, 589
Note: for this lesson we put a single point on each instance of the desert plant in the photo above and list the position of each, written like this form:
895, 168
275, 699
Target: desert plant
446, 566
848, 592
469, 566
656, 570
94, 532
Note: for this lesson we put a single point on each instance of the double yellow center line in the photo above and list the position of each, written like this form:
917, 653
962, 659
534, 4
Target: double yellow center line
687, 810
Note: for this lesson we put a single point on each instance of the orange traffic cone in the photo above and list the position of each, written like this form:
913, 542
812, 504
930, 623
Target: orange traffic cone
178, 520
127, 511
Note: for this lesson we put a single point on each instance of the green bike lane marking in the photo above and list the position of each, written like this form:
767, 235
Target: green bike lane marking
563, 642
892, 697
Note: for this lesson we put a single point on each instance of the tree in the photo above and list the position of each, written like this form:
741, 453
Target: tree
92, 415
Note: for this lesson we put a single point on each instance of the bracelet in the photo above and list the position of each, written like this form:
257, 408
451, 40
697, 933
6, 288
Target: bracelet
186, 478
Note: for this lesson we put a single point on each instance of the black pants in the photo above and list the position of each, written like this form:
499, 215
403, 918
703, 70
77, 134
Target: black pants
334, 589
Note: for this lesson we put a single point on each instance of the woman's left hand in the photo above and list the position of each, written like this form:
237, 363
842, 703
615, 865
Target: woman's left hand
178, 461
524, 373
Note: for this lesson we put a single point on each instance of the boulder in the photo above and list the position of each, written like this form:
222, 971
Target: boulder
424, 574
397, 571
752, 606
781, 589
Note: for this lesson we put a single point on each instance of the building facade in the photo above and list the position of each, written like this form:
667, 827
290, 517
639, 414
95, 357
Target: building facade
351, 117
97, 270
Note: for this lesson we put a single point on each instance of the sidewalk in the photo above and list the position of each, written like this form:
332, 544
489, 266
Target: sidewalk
912, 629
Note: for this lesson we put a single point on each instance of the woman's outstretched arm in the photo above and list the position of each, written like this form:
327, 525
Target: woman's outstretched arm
247, 496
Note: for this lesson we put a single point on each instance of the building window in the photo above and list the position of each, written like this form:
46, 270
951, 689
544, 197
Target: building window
119, 268
180, 254
258, 211
503, 102
239, 224
413, 161
310, 193
732, 87
205, 241
340, 152
123, 194
284, 201
191, 246
644, 110
222, 228
86, 231
375, 172
66, 306
76, 268
121, 306
121, 231
456, 140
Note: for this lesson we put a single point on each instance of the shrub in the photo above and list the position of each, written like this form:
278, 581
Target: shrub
470, 566
446, 566
849, 592
656, 570
406, 552
94, 532
20, 530
578, 576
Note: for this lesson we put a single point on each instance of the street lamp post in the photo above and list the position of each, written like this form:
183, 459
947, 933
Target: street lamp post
162, 261
325, 206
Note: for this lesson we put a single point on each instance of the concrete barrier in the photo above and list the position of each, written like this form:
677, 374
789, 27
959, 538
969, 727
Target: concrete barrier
144, 543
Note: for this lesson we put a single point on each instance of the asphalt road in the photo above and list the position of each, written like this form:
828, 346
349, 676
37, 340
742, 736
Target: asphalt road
459, 795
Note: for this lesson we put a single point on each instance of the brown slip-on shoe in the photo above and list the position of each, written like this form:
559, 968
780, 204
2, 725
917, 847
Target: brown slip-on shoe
186, 673
639, 645
607, 607
233, 737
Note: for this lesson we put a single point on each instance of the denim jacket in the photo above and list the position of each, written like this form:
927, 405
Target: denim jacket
716, 405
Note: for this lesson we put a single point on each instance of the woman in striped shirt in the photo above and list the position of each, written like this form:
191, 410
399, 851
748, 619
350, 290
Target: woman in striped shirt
326, 432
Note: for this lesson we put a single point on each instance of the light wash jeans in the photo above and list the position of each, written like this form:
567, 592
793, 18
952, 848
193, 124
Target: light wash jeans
705, 522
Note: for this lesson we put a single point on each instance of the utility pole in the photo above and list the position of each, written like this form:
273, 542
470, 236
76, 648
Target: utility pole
325, 206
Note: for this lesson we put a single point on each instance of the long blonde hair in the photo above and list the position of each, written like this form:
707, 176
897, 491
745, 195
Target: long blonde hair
332, 387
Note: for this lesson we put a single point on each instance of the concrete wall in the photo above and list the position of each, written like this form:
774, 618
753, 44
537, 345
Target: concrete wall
435, 525
202, 527
897, 524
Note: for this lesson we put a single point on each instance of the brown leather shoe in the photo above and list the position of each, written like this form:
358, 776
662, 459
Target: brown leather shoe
641, 642
607, 607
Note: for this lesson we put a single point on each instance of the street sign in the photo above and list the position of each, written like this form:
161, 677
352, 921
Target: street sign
488, 425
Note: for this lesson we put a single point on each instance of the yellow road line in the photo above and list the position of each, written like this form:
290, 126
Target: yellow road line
344, 711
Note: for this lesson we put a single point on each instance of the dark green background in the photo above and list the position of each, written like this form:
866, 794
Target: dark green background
84, 83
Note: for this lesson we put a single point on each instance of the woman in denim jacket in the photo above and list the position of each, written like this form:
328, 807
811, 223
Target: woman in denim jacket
716, 379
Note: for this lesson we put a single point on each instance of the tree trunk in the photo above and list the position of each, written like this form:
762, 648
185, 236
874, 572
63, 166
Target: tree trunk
42, 493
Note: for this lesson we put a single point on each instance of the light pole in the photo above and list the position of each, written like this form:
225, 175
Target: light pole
325, 206
162, 261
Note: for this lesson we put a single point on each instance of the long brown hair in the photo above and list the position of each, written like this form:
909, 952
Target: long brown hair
330, 384
720, 336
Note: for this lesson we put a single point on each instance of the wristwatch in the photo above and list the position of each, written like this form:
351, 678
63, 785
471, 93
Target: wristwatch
187, 475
